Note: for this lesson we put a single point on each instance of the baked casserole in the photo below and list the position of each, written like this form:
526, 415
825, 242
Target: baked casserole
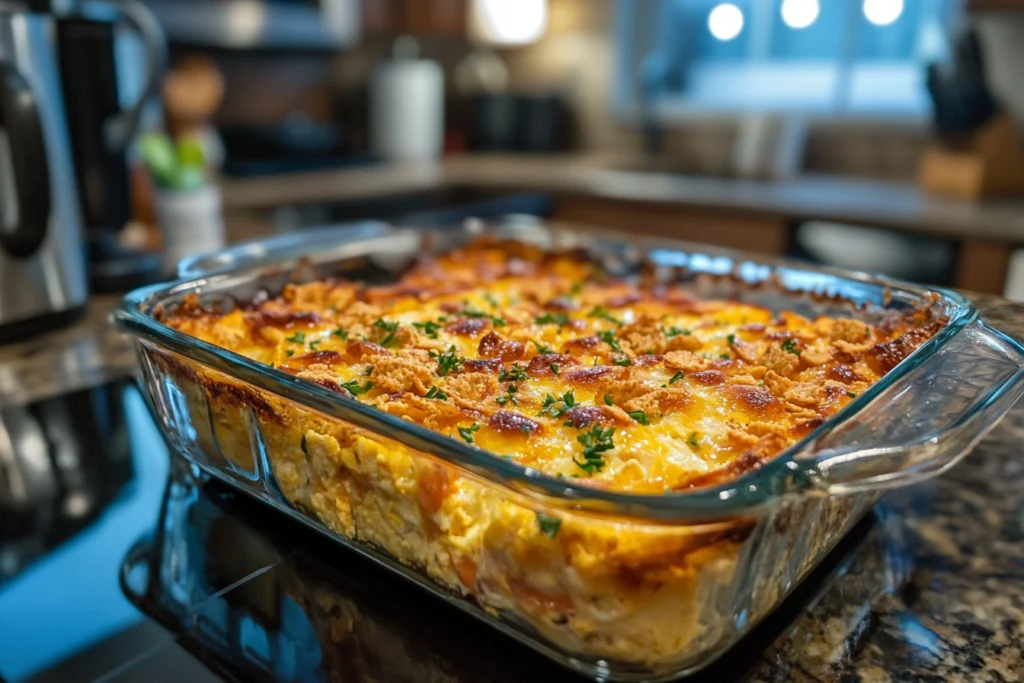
543, 359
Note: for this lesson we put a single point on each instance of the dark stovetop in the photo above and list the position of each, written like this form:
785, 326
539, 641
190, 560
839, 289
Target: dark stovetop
179, 580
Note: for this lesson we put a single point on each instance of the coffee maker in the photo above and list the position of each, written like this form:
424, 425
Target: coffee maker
42, 266
43, 272
88, 34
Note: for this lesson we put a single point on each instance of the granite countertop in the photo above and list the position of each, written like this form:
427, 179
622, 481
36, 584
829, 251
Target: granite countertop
88, 353
857, 201
934, 592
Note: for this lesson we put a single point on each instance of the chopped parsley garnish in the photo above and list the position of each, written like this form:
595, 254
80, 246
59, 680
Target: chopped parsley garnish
509, 396
595, 443
517, 373
608, 337
640, 416
576, 289
731, 339
341, 333
851, 394
368, 371
449, 361
549, 526
725, 356
676, 377
436, 393
789, 346
525, 429
674, 331
302, 445
551, 403
694, 441
314, 344
353, 387
428, 328
492, 301
289, 353
554, 369
623, 362
391, 327
471, 312
542, 348
560, 319
608, 400
467, 432
602, 313
297, 338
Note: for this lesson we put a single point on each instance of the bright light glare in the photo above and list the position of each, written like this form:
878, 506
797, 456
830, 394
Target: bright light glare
508, 22
883, 12
725, 21
800, 13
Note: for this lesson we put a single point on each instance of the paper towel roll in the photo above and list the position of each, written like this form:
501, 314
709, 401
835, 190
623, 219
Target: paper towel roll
407, 109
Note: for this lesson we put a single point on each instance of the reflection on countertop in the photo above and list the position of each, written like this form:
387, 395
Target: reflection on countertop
849, 200
925, 589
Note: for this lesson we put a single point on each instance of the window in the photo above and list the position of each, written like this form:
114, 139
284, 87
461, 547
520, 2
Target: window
857, 58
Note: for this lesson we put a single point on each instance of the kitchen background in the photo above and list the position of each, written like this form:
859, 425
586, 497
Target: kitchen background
793, 127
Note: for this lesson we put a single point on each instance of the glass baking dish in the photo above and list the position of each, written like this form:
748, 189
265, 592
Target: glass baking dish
635, 586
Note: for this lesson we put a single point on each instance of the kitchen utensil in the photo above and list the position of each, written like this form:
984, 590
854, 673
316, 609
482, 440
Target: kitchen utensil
961, 98
917, 421
42, 266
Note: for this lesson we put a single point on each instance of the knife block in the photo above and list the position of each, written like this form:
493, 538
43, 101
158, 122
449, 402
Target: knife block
989, 164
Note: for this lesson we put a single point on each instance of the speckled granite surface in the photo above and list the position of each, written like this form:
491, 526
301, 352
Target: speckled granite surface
85, 354
935, 592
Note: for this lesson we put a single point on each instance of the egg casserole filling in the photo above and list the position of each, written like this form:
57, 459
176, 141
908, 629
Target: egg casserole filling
543, 359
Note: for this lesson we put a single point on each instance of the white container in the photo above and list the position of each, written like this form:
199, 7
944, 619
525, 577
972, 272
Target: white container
407, 106
191, 222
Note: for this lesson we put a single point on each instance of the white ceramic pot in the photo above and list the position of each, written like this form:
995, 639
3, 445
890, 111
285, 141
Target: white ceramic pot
191, 222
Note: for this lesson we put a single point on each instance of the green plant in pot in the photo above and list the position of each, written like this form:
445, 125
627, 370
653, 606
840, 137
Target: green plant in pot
188, 205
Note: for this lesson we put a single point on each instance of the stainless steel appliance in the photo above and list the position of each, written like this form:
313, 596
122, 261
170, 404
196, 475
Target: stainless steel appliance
42, 267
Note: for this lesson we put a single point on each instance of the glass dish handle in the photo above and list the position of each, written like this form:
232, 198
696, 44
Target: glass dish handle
947, 404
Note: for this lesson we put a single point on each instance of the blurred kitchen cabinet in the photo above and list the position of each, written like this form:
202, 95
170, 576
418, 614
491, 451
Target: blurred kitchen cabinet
418, 17
724, 228
994, 5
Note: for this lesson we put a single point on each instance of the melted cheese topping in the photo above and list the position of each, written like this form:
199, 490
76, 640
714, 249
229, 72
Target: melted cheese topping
541, 358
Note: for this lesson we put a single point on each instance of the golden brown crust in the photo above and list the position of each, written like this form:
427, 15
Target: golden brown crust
523, 353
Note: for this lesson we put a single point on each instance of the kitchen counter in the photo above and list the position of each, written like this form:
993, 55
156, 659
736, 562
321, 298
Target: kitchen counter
933, 591
87, 353
849, 200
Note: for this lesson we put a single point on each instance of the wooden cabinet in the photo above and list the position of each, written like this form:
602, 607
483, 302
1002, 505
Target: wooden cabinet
735, 229
981, 265
994, 5
418, 17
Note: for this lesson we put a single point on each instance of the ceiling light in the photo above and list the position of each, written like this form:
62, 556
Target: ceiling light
725, 21
800, 13
507, 22
883, 12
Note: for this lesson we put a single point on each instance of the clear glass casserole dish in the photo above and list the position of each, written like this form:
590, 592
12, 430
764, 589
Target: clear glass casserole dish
634, 586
